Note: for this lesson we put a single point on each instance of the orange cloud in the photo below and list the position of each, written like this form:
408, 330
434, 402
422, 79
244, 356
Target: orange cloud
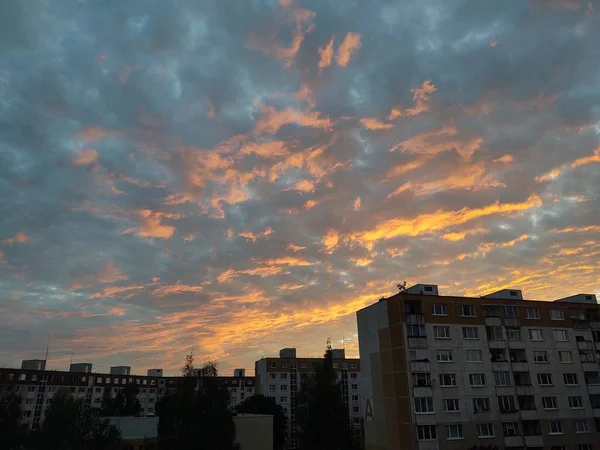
554, 173
19, 238
331, 240
484, 248
442, 140
176, 289
268, 150
403, 169
326, 55
304, 186
348, 48
110, 274
594, 158
357, 204
439, 220
2, 259
421, 98
361, 262
583, 229
290, 287
254, 237
469, 177
504, 159
85, 157
294, 247
117, 311
309, 204
557, 171
271, 120
95, 134
394, 113
116, 291
151, 226
461, 235
226, 275
371, 123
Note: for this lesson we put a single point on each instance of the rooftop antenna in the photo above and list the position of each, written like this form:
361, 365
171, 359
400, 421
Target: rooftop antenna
47, 350
401, 286
328, 346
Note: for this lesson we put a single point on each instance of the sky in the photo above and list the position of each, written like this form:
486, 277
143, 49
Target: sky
236, 177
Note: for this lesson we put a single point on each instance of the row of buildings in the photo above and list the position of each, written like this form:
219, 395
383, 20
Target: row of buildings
434, 372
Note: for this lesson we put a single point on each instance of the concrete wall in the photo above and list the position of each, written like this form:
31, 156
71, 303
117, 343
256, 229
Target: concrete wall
254, 431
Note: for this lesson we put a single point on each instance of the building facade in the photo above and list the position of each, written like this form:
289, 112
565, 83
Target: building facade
37, 388
454, 372
281, 379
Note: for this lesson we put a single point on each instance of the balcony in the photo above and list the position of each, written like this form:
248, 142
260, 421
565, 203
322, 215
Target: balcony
594, 325
589, 366
493, 321
585, 345
417, 342
524, 390
529, 414
415, 318
497, 344
534, 441
420, 366
597, 413
511, 322
500, 366
520, 366
594, 389
513, 441
422, 391
516, 345
509, 415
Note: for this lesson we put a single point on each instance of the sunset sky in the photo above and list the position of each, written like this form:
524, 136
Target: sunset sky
238, 176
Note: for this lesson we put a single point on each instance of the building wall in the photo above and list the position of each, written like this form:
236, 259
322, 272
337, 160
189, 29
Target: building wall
254, 431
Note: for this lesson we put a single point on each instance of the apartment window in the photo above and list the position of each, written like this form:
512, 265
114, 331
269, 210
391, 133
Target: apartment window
421, 379
467, 310
249, 389
544, 379
29, 401
426, 432
447, 379
272, 364
353, 366
549, 403
506, 403
272, 387
31, 388
283, 376
535, 334
485, 430
586, 447
96, 401
532, 313
587, 357
355, 409
99, 380
477, 379
451, 405
510, 429
356, 420
495, 333
444, 356
272, 376
454, 432
283, 387
474, 356
513, 334
481, 404
414, 330
98, 390
596, 336
557, 314
355, 398
511, 312
439, 309
575, 402
353, 376
565, 357
540, 356
470, 332
555, 427
502, 379
570, 379
441, 332
424, 405
354, 387
561, 335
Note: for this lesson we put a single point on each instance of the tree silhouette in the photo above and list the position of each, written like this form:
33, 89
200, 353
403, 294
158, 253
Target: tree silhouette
12, 434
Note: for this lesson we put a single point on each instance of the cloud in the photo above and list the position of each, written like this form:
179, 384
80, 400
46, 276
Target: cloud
86, 157
2, 259
256, 236
357, 204
505, 159
348, 48
19, 238
271, 120
294, 247
371, 123
326, 54
151, 226
304, 186
331, 240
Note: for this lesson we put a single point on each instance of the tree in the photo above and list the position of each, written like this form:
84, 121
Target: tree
71, 425
125, 403
196, 416
322, 415
259, 404
12, 434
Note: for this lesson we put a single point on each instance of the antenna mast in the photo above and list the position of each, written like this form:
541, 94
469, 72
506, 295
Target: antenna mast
328, 346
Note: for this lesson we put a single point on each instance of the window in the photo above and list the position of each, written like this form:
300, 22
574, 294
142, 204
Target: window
414, 330
477, 379
481, 404
426, 432
485, 430
441, 332
355, 409
439, 309
29, 401
549, 403
353, 376
565, 357
444, 356
283, 376
354, 387
421, 379
513, 334
356, 420
424, 405
502, 379
96, 401
510, 428
31, 388
561, 335
451, 405
532, 313
474, 356
557, 314
467, 310
555, 427
511, 312
506, 403
570, 379
540, 356
249, 389
586, 447
355, 398
98, 390
587, 357
535, 334
495, 333
544, 379
99, 380
454, 432
272, 364
272, 387
447, 379
470, 332
272, 376
575, 402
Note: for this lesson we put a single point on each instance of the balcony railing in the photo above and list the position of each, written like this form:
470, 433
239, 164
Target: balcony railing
417, 342
415, 318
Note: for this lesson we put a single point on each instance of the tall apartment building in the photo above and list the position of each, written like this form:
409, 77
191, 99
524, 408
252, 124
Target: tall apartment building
454, 372
281, 379
37, 387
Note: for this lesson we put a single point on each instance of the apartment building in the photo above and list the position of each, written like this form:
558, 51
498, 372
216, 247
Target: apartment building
37, 387
281, 379
453, 372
